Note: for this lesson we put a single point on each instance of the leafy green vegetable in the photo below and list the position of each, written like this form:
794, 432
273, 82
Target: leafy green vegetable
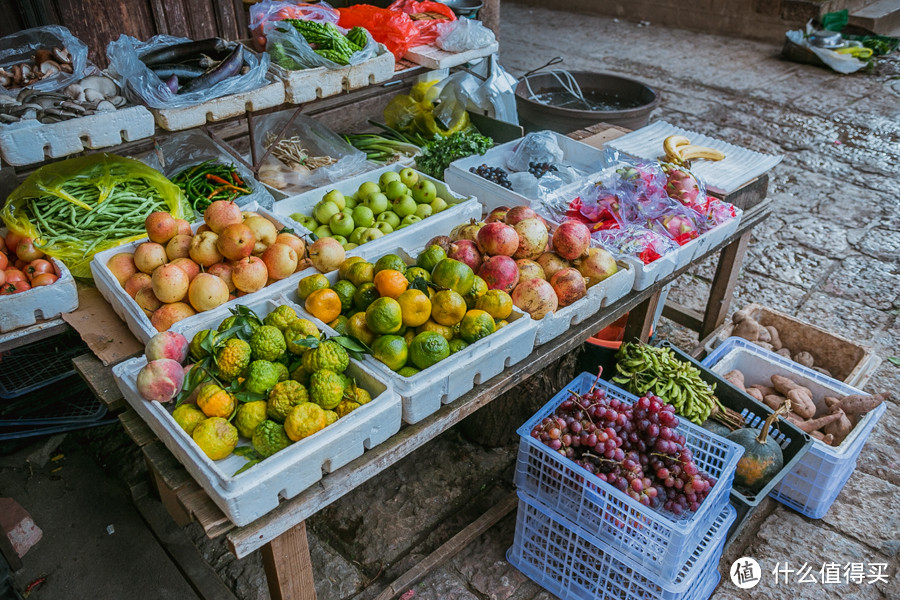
439, 153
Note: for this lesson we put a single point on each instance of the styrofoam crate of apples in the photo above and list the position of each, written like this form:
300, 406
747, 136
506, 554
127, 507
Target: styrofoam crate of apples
154, 287
49, 288
248, 495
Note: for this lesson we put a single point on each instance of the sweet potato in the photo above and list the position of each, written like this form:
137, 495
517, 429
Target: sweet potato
831, 401
774, 338
857, 405
764, 335
829, 439
823, 371
839, 428
774, 401
766, 390
740, 315
800, 396
755, 393
736, 377
804, 358
765, 345
810, 425
816, 434
747, 329
785, 352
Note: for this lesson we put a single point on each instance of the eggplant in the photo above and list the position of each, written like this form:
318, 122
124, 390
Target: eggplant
229, 67
183, 71
184, 51
172, 83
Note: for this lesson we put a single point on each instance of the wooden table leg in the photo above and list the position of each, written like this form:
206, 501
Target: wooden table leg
288, 566
720, 294
640, 319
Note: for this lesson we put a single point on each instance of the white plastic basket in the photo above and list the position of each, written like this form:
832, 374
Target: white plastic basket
258, 490
812, 486
133, 315
45, 302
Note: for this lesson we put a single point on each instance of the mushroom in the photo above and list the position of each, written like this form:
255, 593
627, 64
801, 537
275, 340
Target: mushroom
62, 55
17, 78
92, 95
73, 107
43, 55
49, 67
76, 92
106, 106
118, 101
5, 80
66, 68
105, 86
4, 118
26, 71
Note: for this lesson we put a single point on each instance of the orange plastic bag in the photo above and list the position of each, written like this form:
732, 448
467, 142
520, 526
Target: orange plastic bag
394, 26
426, 16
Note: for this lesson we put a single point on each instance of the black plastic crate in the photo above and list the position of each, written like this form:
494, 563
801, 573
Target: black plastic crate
67, 401
36, 365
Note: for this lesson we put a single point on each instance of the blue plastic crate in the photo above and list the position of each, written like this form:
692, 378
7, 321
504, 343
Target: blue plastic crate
814, 483
658, 541
572, 564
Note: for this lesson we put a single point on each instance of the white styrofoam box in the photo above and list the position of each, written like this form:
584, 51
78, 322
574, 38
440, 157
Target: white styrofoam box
444, 382
649, 274
35, 143
579, 155
811, 486
432, 57
460, 209
305, 85
218, 109
602, 294
133, 315
258, 490
44, 302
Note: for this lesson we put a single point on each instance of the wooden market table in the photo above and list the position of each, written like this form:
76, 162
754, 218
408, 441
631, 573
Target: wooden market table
281, 534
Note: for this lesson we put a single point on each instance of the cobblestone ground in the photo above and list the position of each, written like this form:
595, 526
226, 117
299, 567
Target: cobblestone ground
829, 254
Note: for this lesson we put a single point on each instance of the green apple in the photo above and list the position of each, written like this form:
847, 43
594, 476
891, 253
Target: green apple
305, 220
369, 187
403, 205
384, 227
424, 192
357, 233
423, 211
389, 217
351, 201
323, 231
437, 205
410, 220
409, 177
336, 197
363, 216
341, 224
387, 177
350, 246
341, 239
395, 189
324, 211
378, 203
370, 234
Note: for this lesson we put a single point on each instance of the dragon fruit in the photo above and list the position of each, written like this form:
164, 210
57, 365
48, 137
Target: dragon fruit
634, 240
682, 186
679, 228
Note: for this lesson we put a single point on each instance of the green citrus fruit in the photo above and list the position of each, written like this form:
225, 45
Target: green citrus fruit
414, 273
428, 348
345, 290
284, 396
311, 283
391, 350
304, 420
448, 308
431, 257
408, 371
269, 437
384, 316
360, 273
476, 325
479, 289
216, 437
248, 417
453, 275
267, 343
345, 266
356, 327
281, 317
365, 295
390, 261
297, 331
326, 388
233, 358
340, 325
457, 344
188, 416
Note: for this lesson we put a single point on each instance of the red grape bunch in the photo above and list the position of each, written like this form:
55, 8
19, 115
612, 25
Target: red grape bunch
634, 448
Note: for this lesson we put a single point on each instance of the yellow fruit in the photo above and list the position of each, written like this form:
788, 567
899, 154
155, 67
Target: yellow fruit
233, 358
281, 317
188, 416
415, 306
248, 417
448, 308
216, 437
311, 283
479, 288
496, 303
330, 417
297, 331
324, 304
414, 273
345, 408
360, 273
476, 325
215, 402
409, 335
430, 325
283, 397
390, 283
304, 420
384, 316
339, 325
345, 266
362, 396
356, 327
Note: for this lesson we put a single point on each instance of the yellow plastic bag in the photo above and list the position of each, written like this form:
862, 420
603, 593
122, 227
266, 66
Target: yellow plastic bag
81, 206
416, 112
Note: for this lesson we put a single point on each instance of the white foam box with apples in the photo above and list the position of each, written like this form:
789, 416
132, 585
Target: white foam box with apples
460, 209
249, 495
442, 383
44, 302
134, 316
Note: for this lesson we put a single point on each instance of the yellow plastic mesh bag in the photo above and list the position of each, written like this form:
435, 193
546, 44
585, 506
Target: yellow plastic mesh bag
417, 112
81, 206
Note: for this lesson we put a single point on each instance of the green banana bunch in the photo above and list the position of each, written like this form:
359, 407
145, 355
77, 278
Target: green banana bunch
644, 369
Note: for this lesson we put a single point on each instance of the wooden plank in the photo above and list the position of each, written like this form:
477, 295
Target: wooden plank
750, 194
198, 503
288, 566
169, 498
202, 15
161, 461
450, 548
100, 380
136, 428
720, 294
598, 140
640, 319
33, 333
688, 317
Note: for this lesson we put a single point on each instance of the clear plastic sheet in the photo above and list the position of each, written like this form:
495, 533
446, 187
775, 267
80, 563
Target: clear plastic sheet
20, 46
142, 86
264, 14
462, 35
290, 50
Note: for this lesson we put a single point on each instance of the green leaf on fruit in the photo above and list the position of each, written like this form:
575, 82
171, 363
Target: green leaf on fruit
287, 230
245, 396
253, 457
894, 361
353, 346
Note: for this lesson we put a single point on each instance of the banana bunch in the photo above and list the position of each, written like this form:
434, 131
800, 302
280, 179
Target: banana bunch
644, 369
679, 150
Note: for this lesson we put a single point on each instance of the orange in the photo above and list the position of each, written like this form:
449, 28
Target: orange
390, 283
496, 303
416, 307
356, 327
324, 304
448, 308
215, 401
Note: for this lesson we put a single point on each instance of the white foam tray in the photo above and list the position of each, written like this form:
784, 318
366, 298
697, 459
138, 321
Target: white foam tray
258, 490
461, 209
442, 383
308, 84
218, 109
34, 143
432, 57
491, 195
133, 315
45, 302
647, 275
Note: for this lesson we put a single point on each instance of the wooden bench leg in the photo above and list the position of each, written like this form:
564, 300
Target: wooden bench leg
720, 294
169, 498
288, 566
640, 319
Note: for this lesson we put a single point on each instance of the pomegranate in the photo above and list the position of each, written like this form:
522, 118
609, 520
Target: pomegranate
571, 239
466, 231
597, 265
520, 213
536, 297
499, 273
498, 239
528, 269
532, 238
465, 251
443, 241
569, 285
552, 262
498, 214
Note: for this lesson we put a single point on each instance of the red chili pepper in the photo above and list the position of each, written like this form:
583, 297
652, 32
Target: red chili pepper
32, 586
215, 191
237, 178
